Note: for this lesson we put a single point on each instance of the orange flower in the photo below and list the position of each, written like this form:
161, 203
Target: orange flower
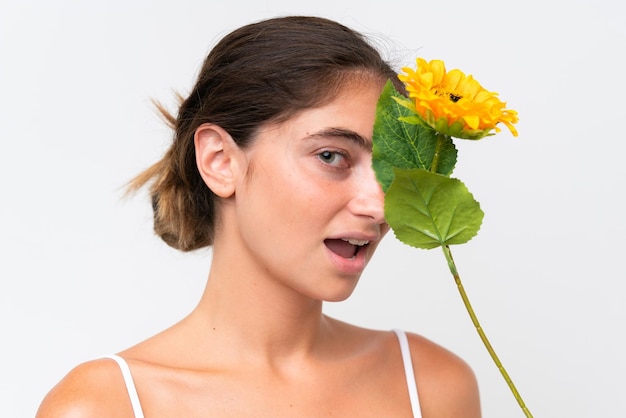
455, 104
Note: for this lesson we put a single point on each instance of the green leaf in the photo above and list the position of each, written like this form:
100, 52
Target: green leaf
401, 141
428, 210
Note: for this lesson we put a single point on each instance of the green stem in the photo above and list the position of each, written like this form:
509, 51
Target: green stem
441, 139
481, 333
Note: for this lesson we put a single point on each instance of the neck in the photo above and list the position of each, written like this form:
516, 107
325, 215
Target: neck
263, 319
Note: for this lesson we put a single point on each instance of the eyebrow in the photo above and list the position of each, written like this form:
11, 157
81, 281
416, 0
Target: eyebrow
342, 133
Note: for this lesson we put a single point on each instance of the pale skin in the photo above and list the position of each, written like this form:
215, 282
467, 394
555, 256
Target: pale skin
258, 344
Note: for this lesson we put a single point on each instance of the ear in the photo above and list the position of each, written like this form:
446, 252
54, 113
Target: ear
218, 158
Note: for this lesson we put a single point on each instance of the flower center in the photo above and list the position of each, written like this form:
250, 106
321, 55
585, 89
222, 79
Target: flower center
452, 96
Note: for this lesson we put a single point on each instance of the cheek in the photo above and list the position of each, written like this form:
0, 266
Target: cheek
384, 228
284, 196
323, 199
303, 201
276, 200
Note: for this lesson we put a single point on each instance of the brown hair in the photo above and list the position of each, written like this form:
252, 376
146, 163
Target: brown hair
260, 73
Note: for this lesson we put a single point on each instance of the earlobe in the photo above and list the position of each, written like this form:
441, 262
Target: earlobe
215, 158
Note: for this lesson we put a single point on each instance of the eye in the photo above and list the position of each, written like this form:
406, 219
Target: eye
333, 158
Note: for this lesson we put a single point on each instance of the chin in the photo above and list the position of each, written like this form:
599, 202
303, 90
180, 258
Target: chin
340, 294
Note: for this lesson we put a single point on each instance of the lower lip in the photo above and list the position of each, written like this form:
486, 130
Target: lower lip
350, 266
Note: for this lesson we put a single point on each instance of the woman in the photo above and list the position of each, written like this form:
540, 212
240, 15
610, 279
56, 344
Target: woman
271, 165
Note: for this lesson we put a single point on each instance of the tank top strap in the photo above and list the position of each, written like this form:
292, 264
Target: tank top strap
408, 372
130, 384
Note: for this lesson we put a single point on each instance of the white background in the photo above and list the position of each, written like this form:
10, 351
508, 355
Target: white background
82, 275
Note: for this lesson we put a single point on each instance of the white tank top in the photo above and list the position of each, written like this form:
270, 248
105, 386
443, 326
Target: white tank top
406, 359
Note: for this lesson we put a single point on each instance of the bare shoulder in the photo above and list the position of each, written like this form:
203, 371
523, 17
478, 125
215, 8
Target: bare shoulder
95, 389
446, 384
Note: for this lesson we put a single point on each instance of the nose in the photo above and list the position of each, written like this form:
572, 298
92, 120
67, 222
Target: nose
369, 199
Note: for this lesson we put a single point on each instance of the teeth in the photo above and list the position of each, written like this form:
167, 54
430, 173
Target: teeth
358, 242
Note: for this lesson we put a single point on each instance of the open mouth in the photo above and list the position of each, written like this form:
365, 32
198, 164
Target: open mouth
346, 247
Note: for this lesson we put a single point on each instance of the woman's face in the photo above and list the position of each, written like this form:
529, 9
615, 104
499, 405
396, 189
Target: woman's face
309, 211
